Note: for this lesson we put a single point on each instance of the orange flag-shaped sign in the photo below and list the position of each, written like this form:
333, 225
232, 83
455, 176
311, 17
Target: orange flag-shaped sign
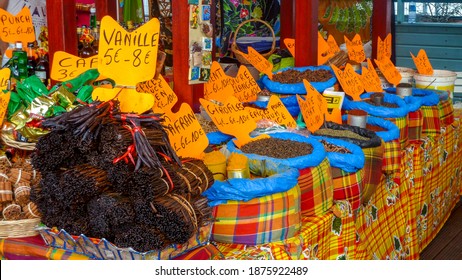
389, 70
350, 81
259, 62
17, 27
355, 49
67, 66
290, 44
275, 111
422, 63
370, 78
313, 108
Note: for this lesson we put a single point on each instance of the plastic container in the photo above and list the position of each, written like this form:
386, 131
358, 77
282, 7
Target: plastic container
407, 75
440, 80
216, 163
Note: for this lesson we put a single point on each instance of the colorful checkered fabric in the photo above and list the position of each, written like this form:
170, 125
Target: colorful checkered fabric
348, 186
431, 121
260, 220
415, 125
446, 112
391, 157
403, 125
316, 189
372, 171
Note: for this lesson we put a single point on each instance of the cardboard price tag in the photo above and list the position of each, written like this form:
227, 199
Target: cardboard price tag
18, 27
422, 63
130, 100
370, 78
244, 85
185, 133
389, 70
313, 108
164, 97
290, 44
275, 111
323, 50
4, 78
67, 66
334, 116
259, 62
128, 57
355, 49
232, 118
214, 88
384, 47
4, 97
350, 81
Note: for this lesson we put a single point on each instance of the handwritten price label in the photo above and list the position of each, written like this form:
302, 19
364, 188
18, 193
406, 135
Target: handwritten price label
290, 44
4, 97
334, 116
164, 97
326, 49
244, 85
4, 78
313, 108
350, 81
218, 86
422, 63
130, 100
384, 47
355, 49
185, 133
389, 70
67, 66
259, 62
370, 78
275, 111
17, 27
128, 57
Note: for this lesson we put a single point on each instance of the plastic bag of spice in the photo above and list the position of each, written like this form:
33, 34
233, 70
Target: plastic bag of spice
327, 81
419, 97
399, 110
362, 137
388, 130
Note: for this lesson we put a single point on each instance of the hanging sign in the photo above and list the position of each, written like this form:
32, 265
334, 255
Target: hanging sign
232, 118
355, 49
130, 100
18, 27
67, 66
422, 63
275, 111
313, 108
4, 97
128, 57
259, 62
350, 81
384, 47
164, 97
185, 133
370, 78
389, 70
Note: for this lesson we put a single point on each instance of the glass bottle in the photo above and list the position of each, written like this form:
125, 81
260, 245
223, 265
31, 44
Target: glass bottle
79, 44
20, 59
42, 69
31, 59
92, 17
412, 12
95, 43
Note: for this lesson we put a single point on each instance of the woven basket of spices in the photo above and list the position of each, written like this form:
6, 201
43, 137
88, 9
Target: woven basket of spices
19, 228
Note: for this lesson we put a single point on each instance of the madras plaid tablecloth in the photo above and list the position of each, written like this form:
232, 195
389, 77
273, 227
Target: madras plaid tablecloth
372, 171
446, 112
348, 186
391, 157
415, 125
431, 121
403, 125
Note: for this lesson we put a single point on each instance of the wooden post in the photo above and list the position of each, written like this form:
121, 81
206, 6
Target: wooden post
306, 32
381, 22
106, 8
287, 21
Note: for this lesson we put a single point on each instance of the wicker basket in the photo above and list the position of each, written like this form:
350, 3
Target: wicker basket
19, 228
240, 56
16, 144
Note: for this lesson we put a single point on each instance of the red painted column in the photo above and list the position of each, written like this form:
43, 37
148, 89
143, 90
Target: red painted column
381, 22
106, 7
306, 32
287, 21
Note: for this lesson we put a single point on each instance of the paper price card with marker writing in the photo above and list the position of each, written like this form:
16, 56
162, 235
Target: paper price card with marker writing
218, 87
130, 100
67, 66
185, 133
164, 97
259, 62
4, 97
232, 118
370, 78
355, 49
350, 81
275, 111
17, 27
128, 57
384, 47
324, 51
313, 108
422, 63
389, 70
290, 44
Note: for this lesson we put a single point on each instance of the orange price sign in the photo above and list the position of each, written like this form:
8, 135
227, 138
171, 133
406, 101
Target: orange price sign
350, 81
290, 44
4, 97
422, 63
323, 50
4, 78
389, 70
244, 85
313, 108
333, 46
218, 87
355, 49
334, 116
67, 66
259, 62
384, 47
164, 97
370, 78
130, 100
185, 133
17, 27
275, 111
232, 118
128, 57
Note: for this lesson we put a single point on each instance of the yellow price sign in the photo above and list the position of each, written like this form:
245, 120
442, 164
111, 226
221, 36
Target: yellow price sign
164, 97
290, 44
389, 70
355, 49
67, 66
185, 133
130, 100
4, 97
275, 111
4, 78
18, 27
350, 81
128, 57
259, 62
422, 63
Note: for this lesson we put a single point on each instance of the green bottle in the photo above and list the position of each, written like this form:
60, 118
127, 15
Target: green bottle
20, 59
92, 18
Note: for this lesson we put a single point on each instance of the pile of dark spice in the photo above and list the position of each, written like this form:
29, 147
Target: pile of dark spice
277, 148
339, 133
293, 76
384, 104
331, 148
111, 175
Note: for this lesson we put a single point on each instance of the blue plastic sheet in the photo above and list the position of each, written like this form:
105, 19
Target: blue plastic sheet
391, 130
289, 102
218, 137
379, 111
299, 88
419, 97
246, 189
347, 162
